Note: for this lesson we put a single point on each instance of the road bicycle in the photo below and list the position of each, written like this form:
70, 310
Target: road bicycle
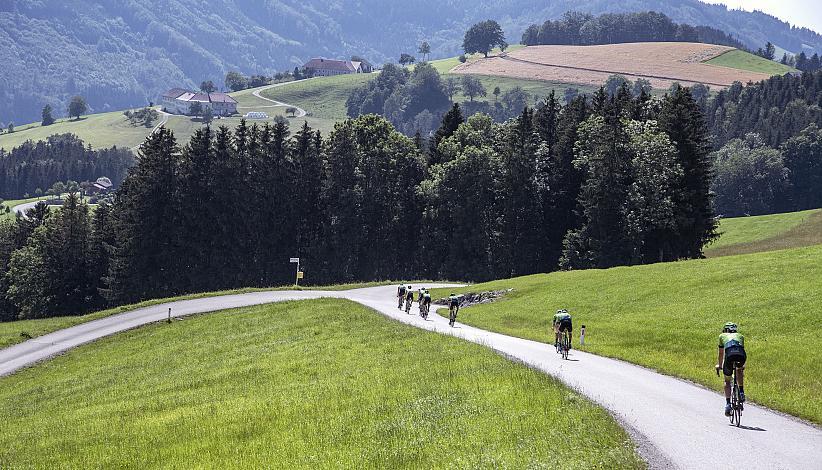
424, 310
408, 301
565, 344
736, 400
452, 314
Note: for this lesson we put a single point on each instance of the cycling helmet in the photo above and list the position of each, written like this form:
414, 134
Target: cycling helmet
729, 327
453, 294
562, 310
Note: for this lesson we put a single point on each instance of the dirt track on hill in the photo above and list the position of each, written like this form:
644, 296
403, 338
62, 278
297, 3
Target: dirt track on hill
661, 63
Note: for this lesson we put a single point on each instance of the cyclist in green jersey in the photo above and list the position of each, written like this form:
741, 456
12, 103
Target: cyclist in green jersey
731, 356
562, 322
426, 300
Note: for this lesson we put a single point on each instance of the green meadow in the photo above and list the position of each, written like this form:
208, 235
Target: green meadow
311, 384
668, 317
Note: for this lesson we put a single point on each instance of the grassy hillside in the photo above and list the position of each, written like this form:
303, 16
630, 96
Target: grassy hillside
324, 97
314, 384
668, 317
741, 235
742, 60
98, 130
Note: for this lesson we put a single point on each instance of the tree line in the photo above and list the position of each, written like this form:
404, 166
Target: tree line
582, 29
416, 101
599, 182
61, 157
777, 108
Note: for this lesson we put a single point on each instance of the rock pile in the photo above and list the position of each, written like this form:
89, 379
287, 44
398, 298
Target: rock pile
474, 298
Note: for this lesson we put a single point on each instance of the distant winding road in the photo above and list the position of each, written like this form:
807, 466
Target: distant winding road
675, 423
300, 111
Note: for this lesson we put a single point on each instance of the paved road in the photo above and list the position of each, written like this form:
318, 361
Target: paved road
163, 120
676, 424
300, 111
22, 208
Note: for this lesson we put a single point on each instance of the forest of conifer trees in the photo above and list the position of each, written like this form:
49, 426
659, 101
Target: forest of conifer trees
600, 182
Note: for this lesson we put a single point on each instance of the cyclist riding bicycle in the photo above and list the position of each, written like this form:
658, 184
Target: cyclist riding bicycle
400, 295
562, 322
453, 308
409, 298
425, 300
731, 355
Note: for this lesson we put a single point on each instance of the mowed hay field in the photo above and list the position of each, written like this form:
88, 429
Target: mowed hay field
311, 384
662, 63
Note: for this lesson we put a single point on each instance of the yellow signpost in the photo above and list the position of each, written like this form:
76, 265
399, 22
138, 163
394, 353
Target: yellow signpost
299, 274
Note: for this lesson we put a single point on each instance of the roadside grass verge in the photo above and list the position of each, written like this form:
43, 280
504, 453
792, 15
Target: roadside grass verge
14, 332
742, 235
742, 60
311, 384
668, 317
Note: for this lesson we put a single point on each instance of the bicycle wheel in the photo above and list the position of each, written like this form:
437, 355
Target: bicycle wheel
565, 345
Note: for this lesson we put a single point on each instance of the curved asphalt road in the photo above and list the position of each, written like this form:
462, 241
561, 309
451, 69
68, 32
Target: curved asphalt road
676, 424
300, 111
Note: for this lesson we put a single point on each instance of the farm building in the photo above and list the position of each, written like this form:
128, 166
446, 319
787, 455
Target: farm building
325, 67
179, 101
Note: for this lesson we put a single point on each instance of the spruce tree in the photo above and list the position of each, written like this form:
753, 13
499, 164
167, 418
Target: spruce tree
450, 122
146, 263
681, 118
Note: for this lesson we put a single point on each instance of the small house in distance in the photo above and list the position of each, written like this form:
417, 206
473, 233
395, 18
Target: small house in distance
179, 101
321, 67
101, 186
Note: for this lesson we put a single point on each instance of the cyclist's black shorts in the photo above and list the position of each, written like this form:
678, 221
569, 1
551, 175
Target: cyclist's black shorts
733, 355
566, 325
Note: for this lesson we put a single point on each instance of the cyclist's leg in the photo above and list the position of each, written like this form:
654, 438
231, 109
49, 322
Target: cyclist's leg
727, 374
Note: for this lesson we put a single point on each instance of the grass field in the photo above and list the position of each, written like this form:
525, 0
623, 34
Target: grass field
668, 317
10, 204
742, 235
99, 130
323, 97
14, 332
742, 60
312, 384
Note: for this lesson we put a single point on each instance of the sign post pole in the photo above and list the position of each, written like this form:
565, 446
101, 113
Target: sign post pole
297, 278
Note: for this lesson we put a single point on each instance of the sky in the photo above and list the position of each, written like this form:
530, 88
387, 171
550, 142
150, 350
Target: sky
807, 13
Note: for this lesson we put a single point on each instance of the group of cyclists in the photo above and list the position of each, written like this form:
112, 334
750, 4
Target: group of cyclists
731, 353
405, 294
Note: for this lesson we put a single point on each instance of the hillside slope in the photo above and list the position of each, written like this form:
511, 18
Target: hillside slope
123, 54
662, 63
668, 317
315, 384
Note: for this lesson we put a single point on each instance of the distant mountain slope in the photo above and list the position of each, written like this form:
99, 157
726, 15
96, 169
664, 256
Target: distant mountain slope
122, 53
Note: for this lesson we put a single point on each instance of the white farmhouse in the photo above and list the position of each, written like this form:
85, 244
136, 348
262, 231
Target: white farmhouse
179, 101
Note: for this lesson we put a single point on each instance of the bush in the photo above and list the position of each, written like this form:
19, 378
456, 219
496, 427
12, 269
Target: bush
462, 58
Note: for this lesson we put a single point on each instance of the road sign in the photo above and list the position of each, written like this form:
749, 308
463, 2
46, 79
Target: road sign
294, 260
299, 274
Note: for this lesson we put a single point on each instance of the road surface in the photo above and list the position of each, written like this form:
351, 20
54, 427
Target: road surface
300, 111
675, 424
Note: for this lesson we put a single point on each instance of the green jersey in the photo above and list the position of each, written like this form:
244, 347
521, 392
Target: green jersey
726, 340
561, 316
